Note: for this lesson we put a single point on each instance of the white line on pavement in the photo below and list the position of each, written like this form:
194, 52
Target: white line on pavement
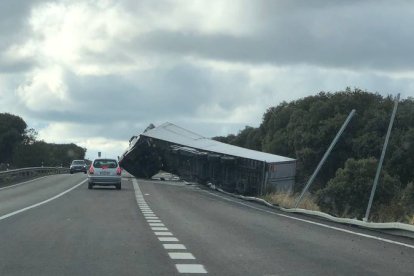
173, 246
159, 228
317, 223
43, 202
153, 220
181, 256
190, 268
167, 239
156, 224
163, 233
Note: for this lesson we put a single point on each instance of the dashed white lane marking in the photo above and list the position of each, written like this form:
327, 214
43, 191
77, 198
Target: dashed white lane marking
190, 268
181, 256
168, 239
156, 224
174, 246
42, 202
159, 228
316, 223
164, 235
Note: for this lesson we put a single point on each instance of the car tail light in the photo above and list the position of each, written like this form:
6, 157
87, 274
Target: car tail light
118, 171
91, 170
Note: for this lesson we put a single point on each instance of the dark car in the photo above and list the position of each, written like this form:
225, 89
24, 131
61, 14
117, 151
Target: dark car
78, 166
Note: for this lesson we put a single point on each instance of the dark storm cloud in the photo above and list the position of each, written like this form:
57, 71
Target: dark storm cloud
14, 15
356, 35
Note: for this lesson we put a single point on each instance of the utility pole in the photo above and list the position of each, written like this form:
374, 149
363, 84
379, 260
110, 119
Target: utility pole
328, 151
384, 149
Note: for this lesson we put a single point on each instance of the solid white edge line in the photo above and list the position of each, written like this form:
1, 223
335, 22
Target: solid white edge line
317, 223
43, 202
25, 182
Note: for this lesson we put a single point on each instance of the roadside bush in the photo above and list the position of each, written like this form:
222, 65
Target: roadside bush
347, 194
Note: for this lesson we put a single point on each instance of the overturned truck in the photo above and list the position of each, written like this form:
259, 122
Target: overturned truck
196, 158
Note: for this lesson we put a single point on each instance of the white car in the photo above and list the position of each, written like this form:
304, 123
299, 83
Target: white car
104, 172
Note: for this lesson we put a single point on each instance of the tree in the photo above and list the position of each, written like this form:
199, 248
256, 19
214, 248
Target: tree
39, 152
12, 131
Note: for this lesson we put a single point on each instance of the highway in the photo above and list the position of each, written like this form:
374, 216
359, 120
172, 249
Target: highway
56, 226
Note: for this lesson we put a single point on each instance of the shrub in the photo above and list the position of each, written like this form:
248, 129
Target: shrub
347, 194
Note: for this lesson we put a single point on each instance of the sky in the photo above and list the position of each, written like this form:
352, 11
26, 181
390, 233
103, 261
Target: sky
96, 73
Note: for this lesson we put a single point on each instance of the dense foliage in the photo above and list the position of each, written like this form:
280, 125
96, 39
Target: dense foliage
303, 129
19, 147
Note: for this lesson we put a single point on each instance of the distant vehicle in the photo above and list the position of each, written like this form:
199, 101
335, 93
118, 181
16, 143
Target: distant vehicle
78, 166
104, 172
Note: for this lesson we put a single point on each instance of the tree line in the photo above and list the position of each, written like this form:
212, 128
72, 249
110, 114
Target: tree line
19, 146
303, 129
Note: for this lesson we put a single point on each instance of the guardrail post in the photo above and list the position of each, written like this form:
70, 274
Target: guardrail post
384, 149
328, 151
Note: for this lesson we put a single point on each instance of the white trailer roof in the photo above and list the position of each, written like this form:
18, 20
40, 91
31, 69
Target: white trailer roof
178, 135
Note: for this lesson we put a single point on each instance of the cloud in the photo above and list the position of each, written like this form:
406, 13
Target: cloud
98, 72
14, 30
356, 35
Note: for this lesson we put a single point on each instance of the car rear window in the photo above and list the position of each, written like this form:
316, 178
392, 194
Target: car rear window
78, 162
108, 163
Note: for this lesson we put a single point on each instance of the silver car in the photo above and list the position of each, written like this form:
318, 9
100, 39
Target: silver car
104, 172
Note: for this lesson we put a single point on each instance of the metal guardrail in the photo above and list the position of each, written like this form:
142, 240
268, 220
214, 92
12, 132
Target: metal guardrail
23, 173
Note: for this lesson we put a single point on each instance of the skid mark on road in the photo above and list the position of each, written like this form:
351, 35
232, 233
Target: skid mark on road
166, 237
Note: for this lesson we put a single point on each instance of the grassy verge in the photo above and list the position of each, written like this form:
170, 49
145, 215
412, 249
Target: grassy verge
288, 201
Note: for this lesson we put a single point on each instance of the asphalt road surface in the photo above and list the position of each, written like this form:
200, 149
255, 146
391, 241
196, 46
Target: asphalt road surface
56, 226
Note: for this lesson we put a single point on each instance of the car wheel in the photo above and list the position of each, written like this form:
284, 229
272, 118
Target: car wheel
71, 172
90, 186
